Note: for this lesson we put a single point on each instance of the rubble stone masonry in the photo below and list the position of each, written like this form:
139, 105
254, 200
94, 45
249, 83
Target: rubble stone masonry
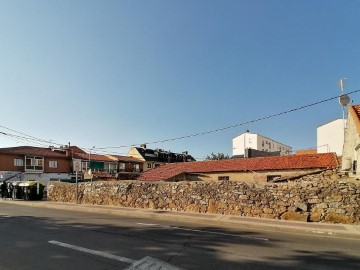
323, 197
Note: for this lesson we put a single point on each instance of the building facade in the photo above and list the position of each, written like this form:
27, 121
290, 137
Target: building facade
351, 149
249, 140
34, 163
330, 137
154, 158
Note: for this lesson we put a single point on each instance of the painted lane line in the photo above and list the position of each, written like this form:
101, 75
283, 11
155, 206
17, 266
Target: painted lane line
201, 231
94, 252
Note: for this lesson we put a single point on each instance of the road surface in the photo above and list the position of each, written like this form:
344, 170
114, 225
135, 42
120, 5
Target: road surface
42, 238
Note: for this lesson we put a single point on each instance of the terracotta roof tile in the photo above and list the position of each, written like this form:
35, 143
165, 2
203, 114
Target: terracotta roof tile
354, 111
33, 151
164, 172
126, 159
76, 149
93, 157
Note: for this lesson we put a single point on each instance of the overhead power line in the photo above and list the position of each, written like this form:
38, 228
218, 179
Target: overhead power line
29, 137
232, 126
36, 140
17, 138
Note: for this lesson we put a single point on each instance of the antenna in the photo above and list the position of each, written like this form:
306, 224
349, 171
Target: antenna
344, 99
341, 84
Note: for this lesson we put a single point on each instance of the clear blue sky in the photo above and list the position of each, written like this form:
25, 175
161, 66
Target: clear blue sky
109, 73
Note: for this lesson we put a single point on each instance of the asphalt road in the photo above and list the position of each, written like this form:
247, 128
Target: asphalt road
41, 238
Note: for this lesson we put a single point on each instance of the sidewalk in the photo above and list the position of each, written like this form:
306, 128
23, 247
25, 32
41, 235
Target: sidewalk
344, 230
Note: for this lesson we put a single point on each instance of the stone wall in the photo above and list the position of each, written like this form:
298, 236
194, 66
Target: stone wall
323, 197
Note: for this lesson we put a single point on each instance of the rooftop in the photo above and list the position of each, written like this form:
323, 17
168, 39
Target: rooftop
94, 157
313, 161
354, 111
34, 151
126, 159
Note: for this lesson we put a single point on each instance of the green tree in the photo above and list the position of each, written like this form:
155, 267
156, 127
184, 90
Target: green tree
217, 156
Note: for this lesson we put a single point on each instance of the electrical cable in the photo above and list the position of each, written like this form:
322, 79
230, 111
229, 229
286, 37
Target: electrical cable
235, 125
24, 139
98, 149
29, 136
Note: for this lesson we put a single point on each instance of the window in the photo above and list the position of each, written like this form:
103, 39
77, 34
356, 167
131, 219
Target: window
270, 178
122, 166
18, 162
34, 164
52, 164
110, 167
85, 165
157, 165
136, 167
354, 165
149, 166
223, 178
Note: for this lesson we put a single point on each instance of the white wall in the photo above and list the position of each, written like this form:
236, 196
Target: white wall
330, 137
258, 142
243, 141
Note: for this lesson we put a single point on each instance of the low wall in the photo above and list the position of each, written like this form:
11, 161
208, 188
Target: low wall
318, 198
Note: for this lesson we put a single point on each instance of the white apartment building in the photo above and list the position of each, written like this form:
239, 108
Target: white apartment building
330, 137
249, 140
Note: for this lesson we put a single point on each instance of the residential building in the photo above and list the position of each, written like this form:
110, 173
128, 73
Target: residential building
330, 137
96, 162
262, 169
46, 164
351, 149
154, 158
249, 140
27, 163
128, 167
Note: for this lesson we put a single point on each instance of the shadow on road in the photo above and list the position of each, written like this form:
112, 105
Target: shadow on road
204, 247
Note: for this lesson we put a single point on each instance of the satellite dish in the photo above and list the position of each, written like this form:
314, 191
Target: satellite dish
344, 100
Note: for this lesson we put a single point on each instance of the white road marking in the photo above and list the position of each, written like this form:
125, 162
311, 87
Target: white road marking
94, 252
210, 232
149, 263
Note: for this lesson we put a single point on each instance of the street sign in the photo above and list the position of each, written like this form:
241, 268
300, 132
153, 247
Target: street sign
77, 165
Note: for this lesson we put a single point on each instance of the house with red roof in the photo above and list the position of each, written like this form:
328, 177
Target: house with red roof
28, 162
262, 169
46, 164
128, 167
351, 149
108, 166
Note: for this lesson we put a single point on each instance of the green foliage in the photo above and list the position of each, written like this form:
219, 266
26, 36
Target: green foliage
217, 156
